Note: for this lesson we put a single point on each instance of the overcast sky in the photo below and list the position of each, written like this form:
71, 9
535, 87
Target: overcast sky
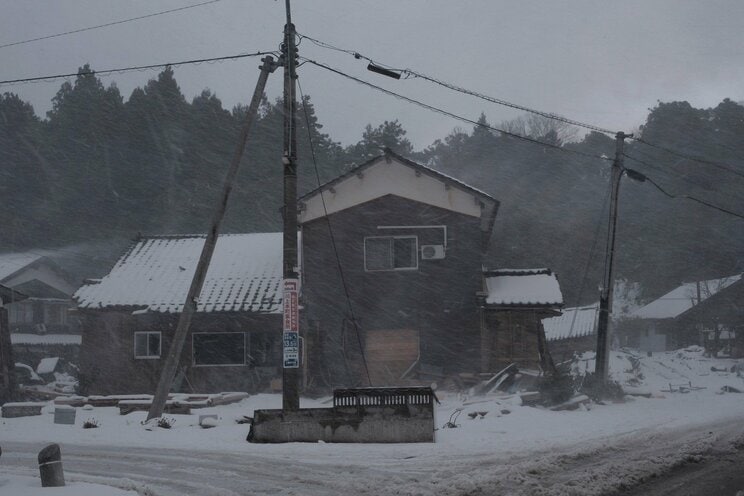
603, 62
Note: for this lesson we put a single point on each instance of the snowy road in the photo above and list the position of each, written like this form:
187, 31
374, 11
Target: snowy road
602, 466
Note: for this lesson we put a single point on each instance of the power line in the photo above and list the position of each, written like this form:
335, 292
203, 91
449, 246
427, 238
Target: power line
114, 23
122, 70
498, 101
673, 174
454, 87
688, 197
453, 115
676, 153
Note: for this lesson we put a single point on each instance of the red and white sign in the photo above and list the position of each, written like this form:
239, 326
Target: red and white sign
291, 305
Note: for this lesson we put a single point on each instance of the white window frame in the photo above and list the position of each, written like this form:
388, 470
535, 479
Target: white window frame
246, 351
147, 341
415, 256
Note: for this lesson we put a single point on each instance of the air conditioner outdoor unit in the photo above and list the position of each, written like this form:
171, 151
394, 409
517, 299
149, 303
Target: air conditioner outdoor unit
432, 252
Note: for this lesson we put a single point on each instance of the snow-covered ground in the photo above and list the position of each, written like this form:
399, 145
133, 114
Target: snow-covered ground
29, 486
511, 444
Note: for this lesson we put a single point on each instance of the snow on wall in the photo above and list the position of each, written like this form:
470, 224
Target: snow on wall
245, 275
683, 298
575, 322
523, 287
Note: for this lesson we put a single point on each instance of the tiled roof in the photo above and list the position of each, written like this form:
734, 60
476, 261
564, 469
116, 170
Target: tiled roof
683, 298
575, 322
523, 287
10, 263
245, 275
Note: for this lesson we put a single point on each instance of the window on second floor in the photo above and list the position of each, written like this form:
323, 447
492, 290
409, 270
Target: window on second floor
391, 253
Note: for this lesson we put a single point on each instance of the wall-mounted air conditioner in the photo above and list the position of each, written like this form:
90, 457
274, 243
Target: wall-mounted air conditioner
432, 252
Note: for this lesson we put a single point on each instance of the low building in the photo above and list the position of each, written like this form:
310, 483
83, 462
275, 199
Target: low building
49, 290
680, 317
130, 315
513, 305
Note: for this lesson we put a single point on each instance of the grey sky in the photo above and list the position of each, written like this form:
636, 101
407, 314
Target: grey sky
603, 62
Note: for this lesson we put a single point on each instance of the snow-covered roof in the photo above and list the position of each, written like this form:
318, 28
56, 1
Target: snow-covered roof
10, 263
575, 322
245, 275
523, 287
20, 338
683, 298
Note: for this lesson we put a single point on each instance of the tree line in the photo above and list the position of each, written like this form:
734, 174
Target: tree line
99, 167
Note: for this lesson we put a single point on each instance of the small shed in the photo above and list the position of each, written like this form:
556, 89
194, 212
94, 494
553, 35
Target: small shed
130, 315
513, 304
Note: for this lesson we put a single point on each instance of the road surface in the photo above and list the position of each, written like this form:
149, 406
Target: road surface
679, 462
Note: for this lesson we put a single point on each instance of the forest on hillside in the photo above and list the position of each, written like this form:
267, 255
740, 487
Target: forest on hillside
99, 169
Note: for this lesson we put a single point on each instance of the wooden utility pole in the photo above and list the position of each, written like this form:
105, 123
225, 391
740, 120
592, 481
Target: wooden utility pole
200, 274
290, 334
605, 299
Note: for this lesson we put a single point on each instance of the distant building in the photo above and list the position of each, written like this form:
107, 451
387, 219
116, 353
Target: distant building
686, 314
49, 290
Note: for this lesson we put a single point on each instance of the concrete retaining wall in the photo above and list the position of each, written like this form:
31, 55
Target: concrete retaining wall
371, 424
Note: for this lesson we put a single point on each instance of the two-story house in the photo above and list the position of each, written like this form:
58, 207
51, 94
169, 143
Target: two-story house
392, 255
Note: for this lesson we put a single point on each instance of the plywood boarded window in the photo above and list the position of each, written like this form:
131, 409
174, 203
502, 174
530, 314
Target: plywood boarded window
390, 353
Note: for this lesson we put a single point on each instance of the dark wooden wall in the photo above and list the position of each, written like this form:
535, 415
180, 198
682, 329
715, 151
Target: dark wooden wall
438, 300
108, 366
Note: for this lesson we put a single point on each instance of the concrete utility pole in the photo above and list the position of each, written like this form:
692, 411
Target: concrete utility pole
290, 334
605, 298
200, 274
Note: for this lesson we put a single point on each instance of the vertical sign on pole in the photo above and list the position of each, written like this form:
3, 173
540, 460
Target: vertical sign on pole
291, 334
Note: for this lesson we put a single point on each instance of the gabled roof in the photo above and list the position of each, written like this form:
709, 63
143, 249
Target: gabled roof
522, 287
11, 263
391, 174
683, 298
573, 323
245, 275
8, 295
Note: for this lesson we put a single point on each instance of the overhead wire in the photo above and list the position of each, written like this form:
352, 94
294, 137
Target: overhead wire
332, 236
410, 72
460, 89
453, 115
714, 163
688, 197
113, 23
122, 70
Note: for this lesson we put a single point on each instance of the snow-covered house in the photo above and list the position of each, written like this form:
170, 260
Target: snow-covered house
513, 304
401, 296
682, 316
7, 360
129, 316
49, 290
